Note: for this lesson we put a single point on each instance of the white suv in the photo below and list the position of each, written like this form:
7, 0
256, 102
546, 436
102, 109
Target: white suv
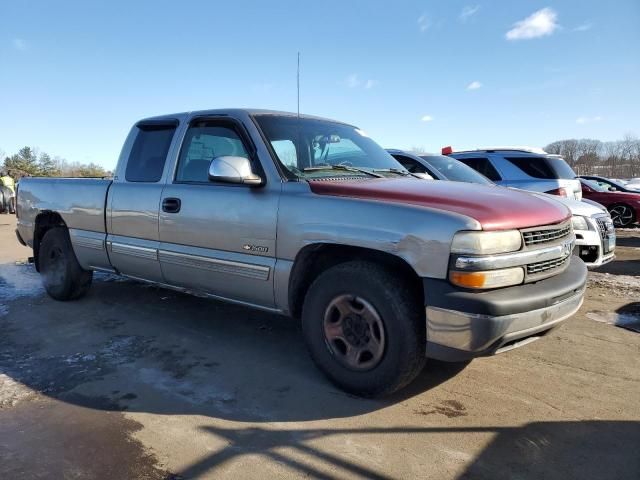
523, 167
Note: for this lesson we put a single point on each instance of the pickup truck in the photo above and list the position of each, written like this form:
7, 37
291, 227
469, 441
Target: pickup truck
310, 218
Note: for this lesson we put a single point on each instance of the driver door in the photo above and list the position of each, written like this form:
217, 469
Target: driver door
218, 238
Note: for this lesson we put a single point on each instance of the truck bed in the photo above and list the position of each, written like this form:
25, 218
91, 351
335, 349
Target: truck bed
79, 201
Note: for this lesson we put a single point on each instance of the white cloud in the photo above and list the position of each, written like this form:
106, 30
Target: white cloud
583, 120
354, 81
19, 44
427, 118
475, 85
424, 22
468, 11
538, 24
584, 27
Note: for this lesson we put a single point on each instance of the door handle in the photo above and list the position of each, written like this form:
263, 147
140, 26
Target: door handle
171, 205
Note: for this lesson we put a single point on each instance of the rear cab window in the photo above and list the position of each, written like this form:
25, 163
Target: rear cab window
543, 167
149, 152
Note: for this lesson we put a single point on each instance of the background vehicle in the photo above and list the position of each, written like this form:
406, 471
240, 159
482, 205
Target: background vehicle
592, 225
310, 218
7, 200
527, 169
608, 183
624, 207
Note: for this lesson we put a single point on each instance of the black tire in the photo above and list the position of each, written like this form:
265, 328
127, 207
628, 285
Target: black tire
62, 275
366, 285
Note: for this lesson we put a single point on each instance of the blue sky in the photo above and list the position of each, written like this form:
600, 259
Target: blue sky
75, 75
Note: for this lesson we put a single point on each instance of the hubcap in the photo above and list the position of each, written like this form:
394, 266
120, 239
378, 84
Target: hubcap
55, 266
621, 215
354, 332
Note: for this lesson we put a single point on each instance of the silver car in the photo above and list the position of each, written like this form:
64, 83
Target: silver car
524, 168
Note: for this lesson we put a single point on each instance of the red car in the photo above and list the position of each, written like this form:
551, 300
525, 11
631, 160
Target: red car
624, 207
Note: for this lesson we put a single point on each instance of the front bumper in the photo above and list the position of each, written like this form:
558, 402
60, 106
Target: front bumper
596, 246
464, 324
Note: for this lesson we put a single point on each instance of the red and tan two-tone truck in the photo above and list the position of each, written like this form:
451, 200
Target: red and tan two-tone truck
310, 218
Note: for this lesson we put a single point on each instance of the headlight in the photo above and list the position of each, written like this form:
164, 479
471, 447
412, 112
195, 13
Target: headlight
579, 223
486, 243
488, 279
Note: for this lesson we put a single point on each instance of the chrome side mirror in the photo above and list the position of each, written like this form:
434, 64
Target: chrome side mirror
229, 169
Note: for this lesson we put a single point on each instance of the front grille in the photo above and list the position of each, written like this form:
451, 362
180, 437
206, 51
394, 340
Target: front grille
605, 226
546, 266
536, 237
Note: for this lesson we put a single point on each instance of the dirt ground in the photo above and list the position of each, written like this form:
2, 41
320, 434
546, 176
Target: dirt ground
134, 381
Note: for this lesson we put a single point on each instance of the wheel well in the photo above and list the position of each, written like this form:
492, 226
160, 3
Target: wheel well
45, 221
312, 260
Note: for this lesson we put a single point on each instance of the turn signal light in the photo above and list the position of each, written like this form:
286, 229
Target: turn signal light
488, 278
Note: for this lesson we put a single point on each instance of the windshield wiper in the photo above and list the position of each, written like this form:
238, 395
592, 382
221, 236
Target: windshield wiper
397, 171
343, 168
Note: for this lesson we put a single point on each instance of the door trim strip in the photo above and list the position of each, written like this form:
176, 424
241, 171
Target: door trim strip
248, 270
133, 250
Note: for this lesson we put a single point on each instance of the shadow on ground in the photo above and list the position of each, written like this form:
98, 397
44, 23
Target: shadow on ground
127, 346
550, 450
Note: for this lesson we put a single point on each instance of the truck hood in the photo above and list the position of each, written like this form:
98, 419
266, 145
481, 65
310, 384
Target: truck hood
495, 208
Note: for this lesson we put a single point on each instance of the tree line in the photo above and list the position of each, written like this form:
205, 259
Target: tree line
30, 162
617, 159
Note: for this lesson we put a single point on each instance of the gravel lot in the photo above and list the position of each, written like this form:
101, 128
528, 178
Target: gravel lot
137, 382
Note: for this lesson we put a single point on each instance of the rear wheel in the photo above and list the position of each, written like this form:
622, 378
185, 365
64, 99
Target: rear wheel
364, 328
62, 275
622, 215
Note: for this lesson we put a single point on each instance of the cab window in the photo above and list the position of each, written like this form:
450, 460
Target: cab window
203, 142
149, 153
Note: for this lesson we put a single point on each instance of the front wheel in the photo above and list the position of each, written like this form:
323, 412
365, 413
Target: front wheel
62, 275
364, 328
622, 215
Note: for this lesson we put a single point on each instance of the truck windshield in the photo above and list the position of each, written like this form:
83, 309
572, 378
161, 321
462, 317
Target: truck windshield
455, 170
312, 148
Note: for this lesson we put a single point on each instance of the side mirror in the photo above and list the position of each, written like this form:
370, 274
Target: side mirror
613, 189
229, 169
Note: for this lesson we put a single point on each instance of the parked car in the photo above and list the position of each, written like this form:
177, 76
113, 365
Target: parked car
520, 167
611, 184
592, 225
624, 207
310, 218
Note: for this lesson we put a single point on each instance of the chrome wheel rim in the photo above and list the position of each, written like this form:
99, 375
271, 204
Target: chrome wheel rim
354, 332
621, 215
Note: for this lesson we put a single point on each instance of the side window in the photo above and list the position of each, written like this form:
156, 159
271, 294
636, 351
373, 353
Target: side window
483, 166
203, 142
286, 152
534, 167
410, 164
149, 153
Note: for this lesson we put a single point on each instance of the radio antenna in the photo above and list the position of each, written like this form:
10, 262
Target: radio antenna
298, 80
